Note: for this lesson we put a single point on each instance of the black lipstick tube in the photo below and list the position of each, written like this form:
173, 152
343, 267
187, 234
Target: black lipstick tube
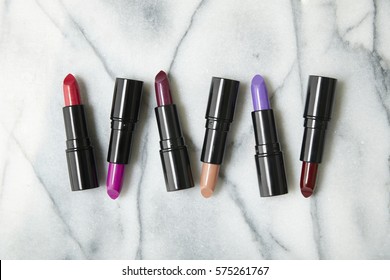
174, 155
79, 151
124, 116
317, 114
269, 158
219, 115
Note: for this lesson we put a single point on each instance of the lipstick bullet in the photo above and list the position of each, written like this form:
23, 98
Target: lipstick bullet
269, 158
79, 151
219, 115
317, 114
174, 155
124, 116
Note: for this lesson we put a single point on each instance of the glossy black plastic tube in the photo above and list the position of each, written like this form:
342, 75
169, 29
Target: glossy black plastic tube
124, 116
174, 155
269, 158
317, 113
79, 151
219, 115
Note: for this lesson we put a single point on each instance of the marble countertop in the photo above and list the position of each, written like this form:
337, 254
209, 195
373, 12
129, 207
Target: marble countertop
42, 41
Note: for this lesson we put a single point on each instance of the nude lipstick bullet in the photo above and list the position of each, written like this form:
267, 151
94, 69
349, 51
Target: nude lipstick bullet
317, 114
79, 151
269, 158
124, 116
219, 115
174, 155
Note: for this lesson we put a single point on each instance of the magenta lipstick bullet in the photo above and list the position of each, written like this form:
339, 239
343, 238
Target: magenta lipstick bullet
115, 176
124, 116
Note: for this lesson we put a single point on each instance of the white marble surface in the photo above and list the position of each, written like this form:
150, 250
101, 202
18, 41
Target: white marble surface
41, 41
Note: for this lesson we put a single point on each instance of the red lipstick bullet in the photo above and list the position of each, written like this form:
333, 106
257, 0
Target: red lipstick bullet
71, 91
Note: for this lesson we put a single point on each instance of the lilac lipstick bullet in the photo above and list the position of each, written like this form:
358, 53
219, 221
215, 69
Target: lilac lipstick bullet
259, 94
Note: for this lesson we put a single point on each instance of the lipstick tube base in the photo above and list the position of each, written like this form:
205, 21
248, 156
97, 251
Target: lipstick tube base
174, 154
79, 153
82, 169
269, 158
177, 169
271, 175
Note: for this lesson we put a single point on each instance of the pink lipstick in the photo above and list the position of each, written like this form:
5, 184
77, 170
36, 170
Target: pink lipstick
79, 151
174, 155
124, 116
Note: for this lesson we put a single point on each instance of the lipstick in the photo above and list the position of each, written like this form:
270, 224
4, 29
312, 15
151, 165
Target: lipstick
79, 151
317, 114
269, 158
124, 116
174, 155
219, 116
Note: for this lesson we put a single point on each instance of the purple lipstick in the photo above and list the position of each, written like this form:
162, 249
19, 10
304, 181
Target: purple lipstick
269, 158
114, 182
259, 94
124, 116
173, 153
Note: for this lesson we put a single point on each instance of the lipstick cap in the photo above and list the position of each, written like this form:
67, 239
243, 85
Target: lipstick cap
79, 153
124, 115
